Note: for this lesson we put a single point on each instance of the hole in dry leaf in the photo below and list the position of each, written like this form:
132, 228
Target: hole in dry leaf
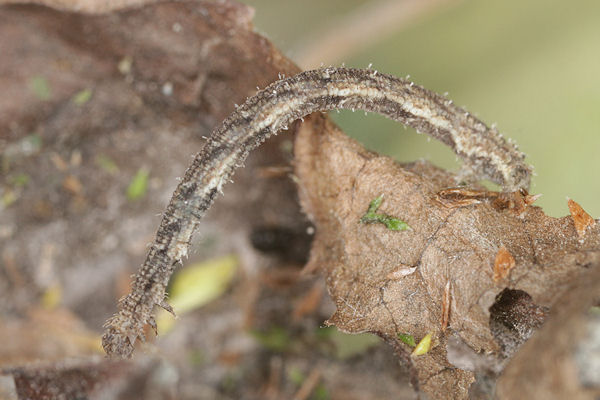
513, 319
285, 243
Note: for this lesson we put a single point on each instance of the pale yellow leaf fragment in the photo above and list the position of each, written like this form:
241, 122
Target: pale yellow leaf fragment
195, 286
52, 297
423, 346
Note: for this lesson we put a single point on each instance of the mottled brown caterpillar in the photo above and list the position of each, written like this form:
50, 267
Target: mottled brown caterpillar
483, 150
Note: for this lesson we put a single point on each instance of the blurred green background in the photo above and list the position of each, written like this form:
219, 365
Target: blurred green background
532, 67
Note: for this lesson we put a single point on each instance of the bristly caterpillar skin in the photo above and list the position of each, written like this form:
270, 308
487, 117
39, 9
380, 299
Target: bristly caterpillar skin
484, 151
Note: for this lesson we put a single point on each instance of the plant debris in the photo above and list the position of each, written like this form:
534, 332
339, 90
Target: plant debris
40, 87
82, 97
581, 219
139, 185
371, 216
503, 264
423, 346
407, 339
455, 244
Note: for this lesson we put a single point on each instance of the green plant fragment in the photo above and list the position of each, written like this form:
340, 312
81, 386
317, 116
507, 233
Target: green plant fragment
20, 180
275, 339
139, 185
375, 204
407, 339
107, 164
40, 87
320, 393
296, 376
8, 198
392, 223
82, 97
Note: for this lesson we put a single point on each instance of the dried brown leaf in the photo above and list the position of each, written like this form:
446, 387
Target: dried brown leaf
72, 185
338, 178
581, 219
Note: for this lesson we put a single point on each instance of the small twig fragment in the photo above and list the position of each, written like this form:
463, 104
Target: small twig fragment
459, 197
309, 385
581, 219
516, 201
503, 263
274, 171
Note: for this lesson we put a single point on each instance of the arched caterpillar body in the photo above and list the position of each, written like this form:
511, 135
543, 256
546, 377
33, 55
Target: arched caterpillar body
483, 150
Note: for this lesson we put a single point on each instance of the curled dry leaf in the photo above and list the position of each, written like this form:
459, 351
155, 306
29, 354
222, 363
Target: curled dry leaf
503, 263
581, 219
338, 177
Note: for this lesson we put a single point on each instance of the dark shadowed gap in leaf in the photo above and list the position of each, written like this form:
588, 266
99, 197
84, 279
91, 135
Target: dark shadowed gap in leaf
513, 319
286, 243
